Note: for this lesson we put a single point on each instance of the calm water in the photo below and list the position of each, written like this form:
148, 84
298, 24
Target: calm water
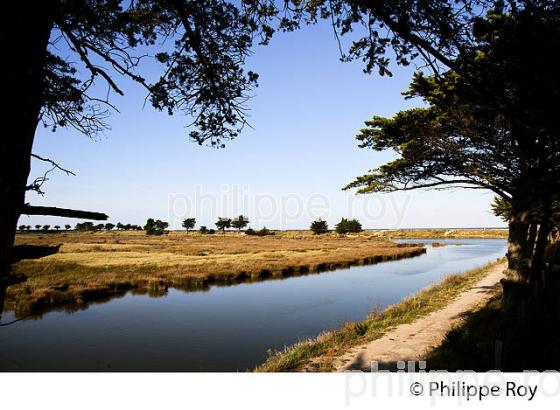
225, 328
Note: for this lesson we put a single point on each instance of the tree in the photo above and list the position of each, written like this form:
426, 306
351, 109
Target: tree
319, 227
189, 223
85, 226
348, 226
46, 228
240, 222
202, 75
22, 227
120, 226
38, 226
109, 226
488, 125
57, 227
67, 227
155, 227
223, 223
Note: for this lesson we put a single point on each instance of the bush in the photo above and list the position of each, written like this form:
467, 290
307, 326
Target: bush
261, 232
319, 226
84, 226
206, 231
155, 227
348, 226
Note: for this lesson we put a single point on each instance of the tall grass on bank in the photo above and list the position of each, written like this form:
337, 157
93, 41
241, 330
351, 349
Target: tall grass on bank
86, 267
319, 354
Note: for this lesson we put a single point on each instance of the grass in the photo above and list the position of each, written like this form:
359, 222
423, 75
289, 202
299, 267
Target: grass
443, 233
89, 266
519, 338
319, 354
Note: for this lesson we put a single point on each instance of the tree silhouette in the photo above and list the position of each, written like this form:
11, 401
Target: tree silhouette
67, 227
109, 226
38, 226
189, 223
240, 222
348, 226
223, 223
487, 126
155, 227
201, 75
57, 227
319, 227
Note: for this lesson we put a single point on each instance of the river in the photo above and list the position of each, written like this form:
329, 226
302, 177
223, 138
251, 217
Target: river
227, 328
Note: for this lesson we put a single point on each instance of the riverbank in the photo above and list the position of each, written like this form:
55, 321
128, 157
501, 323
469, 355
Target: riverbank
327, 352
487, 233
413, 341
71, 269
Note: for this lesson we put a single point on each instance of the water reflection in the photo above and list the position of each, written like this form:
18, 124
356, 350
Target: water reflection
225, 328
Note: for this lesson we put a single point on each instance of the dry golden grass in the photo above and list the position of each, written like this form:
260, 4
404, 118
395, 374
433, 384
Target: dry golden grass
94, 265
442, 233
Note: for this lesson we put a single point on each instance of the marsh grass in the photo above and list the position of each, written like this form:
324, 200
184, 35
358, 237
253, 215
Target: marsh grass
319, 354
90, 266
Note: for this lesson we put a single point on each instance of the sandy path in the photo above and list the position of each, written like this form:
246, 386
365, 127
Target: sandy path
412, 341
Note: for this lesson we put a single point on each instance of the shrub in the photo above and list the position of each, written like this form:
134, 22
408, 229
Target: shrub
319, 227
155, 227
84, 226
260, 232
205, 230
348, 226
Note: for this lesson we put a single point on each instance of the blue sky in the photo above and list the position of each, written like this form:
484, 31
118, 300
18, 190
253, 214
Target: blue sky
285, 172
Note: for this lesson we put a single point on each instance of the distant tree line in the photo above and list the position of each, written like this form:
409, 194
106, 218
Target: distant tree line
345, 226
159, 227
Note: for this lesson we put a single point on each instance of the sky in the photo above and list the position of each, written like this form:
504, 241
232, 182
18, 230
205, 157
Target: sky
285, 172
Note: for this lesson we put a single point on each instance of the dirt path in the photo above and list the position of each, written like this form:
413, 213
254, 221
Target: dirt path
412, 341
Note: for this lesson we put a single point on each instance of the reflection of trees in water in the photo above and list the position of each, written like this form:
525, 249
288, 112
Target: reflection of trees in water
161, 287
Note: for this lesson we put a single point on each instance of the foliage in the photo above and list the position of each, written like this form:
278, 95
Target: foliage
205, 230
488, 124
240, 222
109, 226
189, 223
84, 226
155, 227
223, 223
260, 232
319, 227
348, 226
46, 228
67, 227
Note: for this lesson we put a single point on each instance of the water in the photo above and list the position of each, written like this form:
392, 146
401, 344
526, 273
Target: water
225, 328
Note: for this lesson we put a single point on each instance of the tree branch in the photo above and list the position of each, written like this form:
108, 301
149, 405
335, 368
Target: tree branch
63, 212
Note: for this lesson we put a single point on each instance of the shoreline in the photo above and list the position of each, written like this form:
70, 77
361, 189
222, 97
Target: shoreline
56, 282
324, 352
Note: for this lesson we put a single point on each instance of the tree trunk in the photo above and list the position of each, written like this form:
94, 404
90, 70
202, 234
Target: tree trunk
24, 34
519, 252
533, 230
537, 263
